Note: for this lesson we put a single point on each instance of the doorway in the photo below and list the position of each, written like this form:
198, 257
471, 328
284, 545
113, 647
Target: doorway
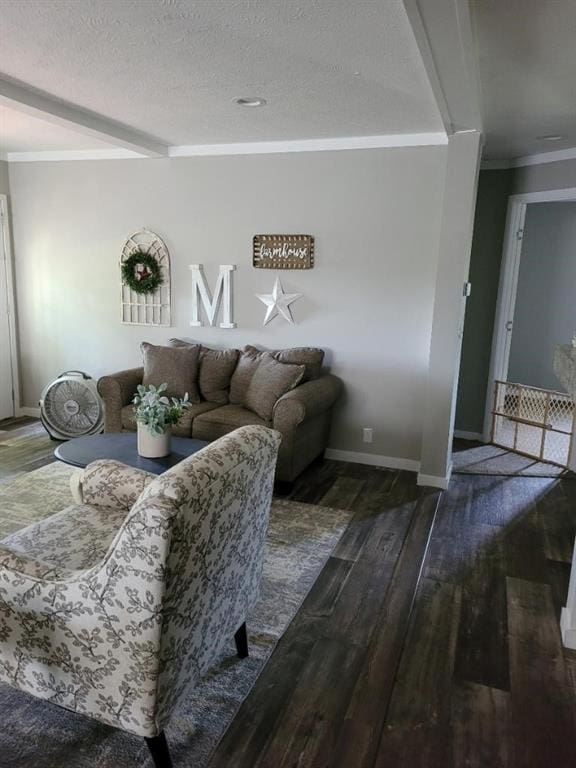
536, 313
8, 367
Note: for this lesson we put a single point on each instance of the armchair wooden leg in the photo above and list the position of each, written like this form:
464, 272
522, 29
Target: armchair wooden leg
158, 747
241, 639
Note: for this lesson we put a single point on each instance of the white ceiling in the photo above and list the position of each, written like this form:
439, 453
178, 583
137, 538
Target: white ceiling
20, 132
527, 62
328, 68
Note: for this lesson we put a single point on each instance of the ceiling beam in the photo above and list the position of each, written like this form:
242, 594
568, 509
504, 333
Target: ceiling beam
447, 43
23, 98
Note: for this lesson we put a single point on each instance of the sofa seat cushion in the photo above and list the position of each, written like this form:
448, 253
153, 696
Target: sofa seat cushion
182, 429
74, 539
217, 423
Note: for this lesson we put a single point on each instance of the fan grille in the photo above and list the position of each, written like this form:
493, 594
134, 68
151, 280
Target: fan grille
72, 408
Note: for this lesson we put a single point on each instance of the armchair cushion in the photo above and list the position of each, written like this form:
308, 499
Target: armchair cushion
72, 540
176, 366
270, 381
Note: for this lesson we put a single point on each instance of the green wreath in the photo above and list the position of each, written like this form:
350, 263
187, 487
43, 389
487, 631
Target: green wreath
146, 280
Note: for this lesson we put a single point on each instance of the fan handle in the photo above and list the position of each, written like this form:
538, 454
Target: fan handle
80, 373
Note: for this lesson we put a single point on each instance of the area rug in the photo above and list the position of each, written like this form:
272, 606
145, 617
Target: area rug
37, 734
493, 460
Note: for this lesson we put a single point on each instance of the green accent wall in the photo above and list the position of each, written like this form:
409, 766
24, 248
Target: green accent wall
494, 187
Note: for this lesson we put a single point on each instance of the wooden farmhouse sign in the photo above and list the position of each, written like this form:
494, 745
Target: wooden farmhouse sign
283, 251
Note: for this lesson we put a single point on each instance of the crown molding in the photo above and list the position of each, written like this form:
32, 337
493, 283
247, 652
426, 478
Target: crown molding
73, 154
242, 148
312, 145
538, 159
546, 157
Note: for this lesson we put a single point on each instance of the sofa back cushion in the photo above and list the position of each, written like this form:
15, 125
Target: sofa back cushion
310, 357
215, 370
270, 381
177, 366
242, 376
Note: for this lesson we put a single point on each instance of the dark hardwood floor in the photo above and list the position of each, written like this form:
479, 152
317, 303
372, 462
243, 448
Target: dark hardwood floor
431, 637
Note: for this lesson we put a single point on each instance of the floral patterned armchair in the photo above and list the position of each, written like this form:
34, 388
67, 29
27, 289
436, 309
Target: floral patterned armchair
115, 606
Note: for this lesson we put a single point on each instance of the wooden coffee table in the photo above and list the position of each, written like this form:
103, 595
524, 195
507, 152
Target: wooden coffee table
122, 446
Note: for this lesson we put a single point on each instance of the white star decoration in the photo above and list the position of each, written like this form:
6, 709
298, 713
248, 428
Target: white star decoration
278, 302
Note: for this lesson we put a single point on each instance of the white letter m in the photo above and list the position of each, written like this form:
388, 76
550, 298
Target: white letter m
199, 288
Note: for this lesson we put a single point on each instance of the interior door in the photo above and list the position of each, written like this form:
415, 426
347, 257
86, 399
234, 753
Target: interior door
6, 394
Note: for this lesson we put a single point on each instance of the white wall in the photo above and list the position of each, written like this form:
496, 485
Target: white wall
4, 182
535, 178
449, 306
545, 312
369, 300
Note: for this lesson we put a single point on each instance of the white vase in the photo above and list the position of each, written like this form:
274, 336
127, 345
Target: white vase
153, 446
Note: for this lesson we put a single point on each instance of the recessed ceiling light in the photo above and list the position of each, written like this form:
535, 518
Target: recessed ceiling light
550, 137
250, 101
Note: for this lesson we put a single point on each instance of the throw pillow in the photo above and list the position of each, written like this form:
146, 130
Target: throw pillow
242, 376
310, 357
177, 366
270, 381
216, 369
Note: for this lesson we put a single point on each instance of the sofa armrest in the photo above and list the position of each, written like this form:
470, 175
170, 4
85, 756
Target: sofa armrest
306, 401
118, 390
109, 483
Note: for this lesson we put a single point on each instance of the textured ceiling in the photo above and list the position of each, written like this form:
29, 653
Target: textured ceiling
171, 69
527, 59
23, 133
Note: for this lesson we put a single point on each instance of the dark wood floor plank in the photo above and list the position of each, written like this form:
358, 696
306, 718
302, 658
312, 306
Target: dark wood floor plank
343, 493
480, 726
543, 703
417, 730
558, 528
311, 724
361, 730
482, 646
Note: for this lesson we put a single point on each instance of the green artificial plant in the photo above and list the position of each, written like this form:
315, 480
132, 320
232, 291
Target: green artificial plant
156, 410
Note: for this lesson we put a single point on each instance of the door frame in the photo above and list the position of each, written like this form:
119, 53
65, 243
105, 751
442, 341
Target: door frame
11, 290
508, 287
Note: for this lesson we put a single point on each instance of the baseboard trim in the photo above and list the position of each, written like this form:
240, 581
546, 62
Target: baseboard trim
436, 481
567, 629
464, 435
25, 411
373, 459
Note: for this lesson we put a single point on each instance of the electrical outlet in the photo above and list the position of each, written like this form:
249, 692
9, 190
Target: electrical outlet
367, 434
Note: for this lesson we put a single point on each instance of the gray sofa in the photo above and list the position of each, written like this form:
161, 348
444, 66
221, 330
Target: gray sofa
225, 382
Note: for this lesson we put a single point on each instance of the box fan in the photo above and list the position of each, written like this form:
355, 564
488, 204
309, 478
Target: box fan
71, 407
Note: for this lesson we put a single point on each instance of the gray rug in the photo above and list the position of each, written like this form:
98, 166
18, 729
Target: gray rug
37, 734
493, 460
